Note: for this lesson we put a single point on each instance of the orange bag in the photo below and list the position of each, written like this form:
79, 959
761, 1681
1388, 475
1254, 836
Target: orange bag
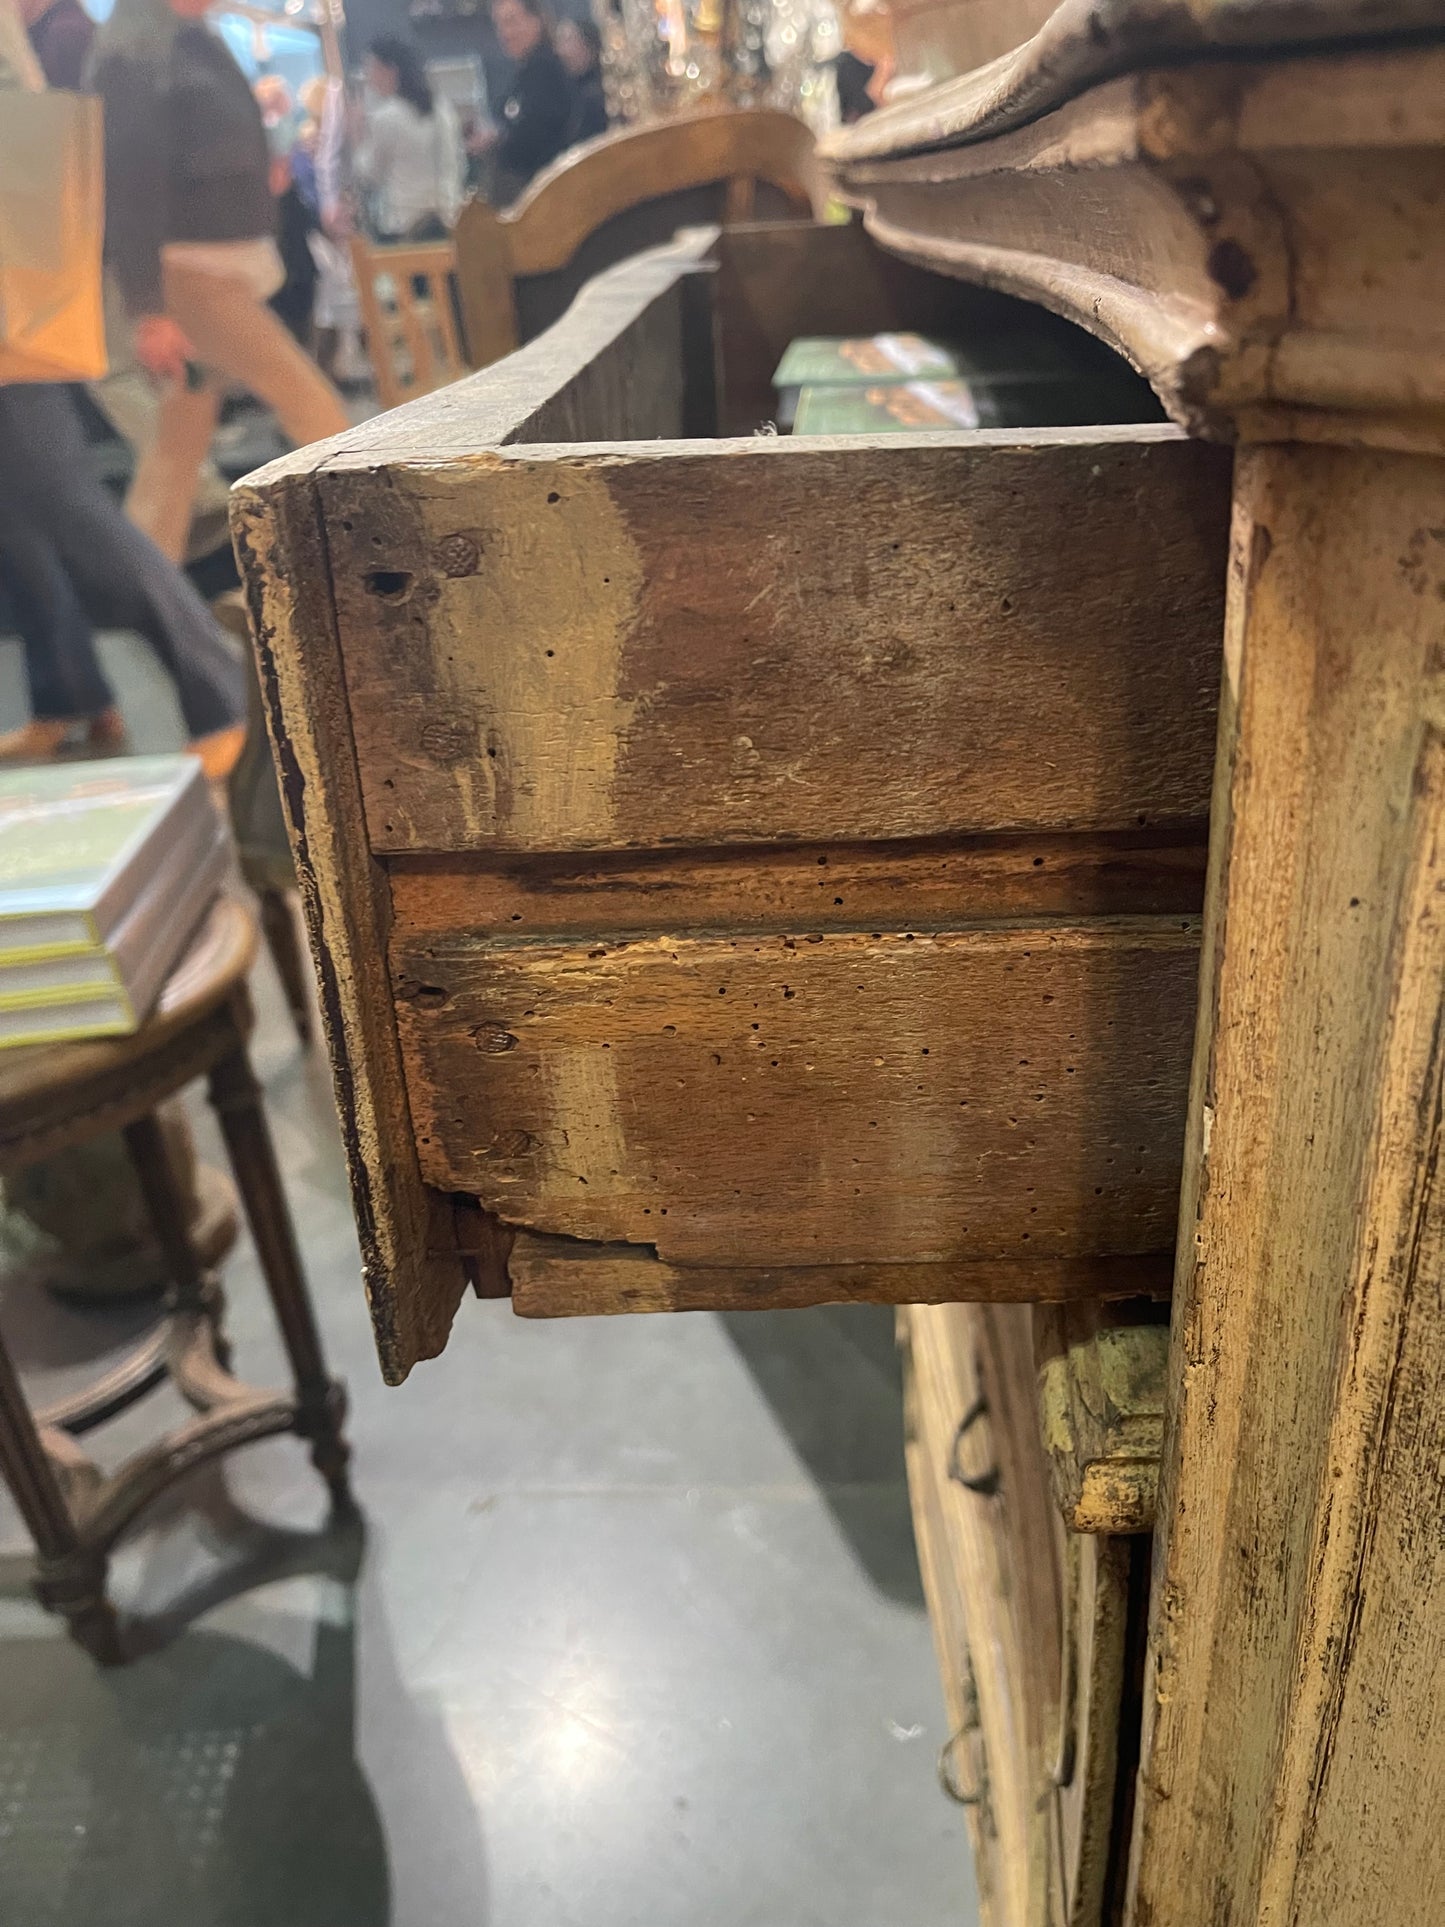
52, 218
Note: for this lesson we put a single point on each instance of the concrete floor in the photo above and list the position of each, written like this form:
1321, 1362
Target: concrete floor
631, 1635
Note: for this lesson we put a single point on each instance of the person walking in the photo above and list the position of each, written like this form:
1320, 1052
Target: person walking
190, 234
410, 152
68, 556
579, 48
67, 553
532, 129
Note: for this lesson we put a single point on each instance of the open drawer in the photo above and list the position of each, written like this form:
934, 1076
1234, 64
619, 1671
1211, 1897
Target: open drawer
745, 870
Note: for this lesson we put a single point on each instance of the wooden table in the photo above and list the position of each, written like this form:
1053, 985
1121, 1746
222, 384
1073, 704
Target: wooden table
56, 1096
1256, 218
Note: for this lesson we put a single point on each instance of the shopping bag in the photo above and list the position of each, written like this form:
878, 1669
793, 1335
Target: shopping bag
52, 216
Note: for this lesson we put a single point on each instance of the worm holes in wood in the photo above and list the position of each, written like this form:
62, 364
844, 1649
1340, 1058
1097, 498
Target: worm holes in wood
390, 585
428, 996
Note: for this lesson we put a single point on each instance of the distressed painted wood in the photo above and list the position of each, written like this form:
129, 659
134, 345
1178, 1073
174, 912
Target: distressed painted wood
873, 643
1102, 1380
1032, 1626
811, 1099
1259, 238
1262, 237
948, 1562
1092, 1766
1083, 42
1016, 1684
1292, 1771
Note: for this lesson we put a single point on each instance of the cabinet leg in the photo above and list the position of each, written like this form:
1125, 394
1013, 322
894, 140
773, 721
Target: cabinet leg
236, 1097
1295, 1691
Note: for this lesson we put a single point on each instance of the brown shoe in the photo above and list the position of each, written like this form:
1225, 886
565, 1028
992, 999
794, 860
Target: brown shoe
107, 735
40, 740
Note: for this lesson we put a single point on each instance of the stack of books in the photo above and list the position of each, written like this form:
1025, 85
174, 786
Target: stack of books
105, 871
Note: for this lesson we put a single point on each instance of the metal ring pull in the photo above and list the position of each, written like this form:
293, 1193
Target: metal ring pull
986, 1484
948, 1775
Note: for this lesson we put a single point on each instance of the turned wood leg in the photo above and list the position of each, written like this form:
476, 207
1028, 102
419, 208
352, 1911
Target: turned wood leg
278, 922
70, 1578
169, 1210
1296, 1673
236, 1097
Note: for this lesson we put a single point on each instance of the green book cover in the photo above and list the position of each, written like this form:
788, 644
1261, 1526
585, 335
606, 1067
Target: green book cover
892, 408
76, 840
835, 361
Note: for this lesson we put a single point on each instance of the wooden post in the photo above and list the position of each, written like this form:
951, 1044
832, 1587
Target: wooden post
1296, 1693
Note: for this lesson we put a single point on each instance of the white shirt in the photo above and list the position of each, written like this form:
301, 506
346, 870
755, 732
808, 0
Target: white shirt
413, 161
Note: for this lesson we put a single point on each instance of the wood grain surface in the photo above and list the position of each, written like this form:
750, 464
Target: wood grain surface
572, 1278
412, 1285
838, 886
1016, 1686
825, 1098
543, 652
1293, 1771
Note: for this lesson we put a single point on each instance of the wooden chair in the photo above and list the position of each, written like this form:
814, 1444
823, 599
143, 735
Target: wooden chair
518, 271
407, 311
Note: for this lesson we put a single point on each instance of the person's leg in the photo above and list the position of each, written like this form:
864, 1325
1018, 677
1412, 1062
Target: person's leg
128, 398
110, 557
231, 330
66, 682
62, 671
161, 500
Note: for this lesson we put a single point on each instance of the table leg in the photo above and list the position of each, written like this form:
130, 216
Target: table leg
71, 1577
236, 1097
283, 940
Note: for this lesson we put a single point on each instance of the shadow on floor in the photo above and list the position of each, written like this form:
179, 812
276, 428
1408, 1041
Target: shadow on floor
212, 1782
833, 1379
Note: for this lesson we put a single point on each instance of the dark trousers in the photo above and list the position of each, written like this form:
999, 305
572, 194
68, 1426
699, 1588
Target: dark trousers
67, 554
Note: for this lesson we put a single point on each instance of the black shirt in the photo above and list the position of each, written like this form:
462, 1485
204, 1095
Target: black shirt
589, 109
534, 116
185, 158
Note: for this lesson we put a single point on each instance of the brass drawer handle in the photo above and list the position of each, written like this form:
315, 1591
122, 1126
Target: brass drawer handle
986, 1484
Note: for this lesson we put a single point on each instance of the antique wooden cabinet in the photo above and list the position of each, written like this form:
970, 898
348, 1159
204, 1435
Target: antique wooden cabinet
746, 870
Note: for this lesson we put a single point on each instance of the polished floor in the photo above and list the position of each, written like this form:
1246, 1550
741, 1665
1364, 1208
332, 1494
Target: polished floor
631, 1634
